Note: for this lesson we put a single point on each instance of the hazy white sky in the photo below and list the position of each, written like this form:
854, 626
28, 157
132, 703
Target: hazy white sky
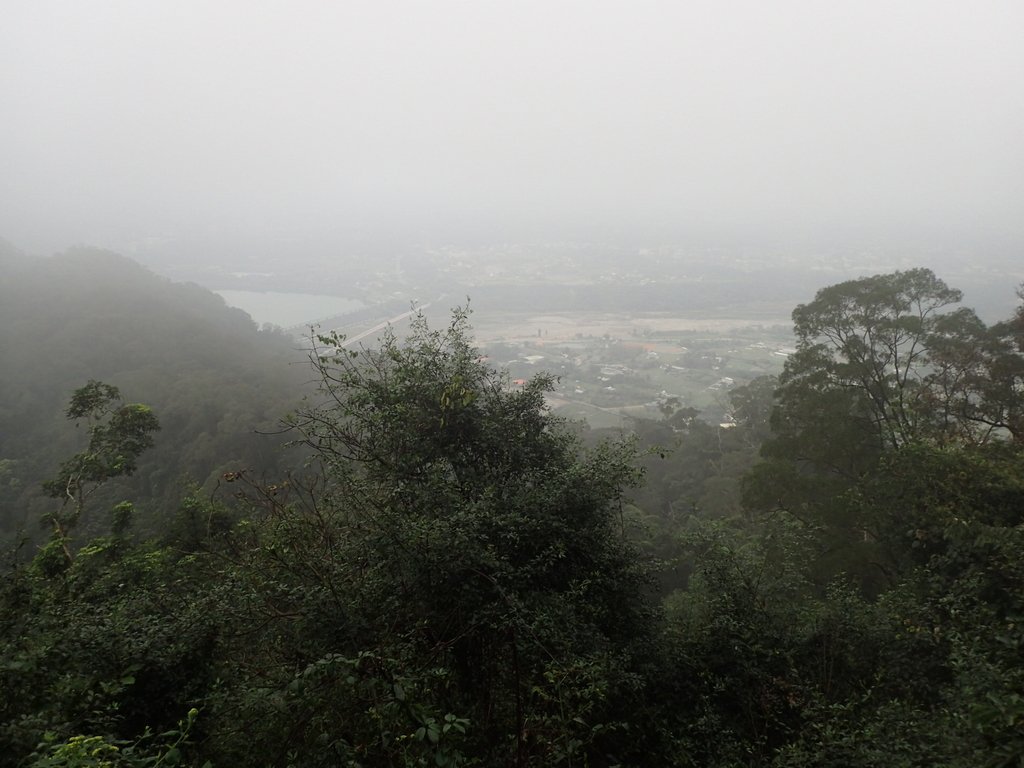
511, 119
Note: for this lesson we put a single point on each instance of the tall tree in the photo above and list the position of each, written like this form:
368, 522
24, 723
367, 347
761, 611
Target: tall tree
882, 363
460, 555
118, 434
872, 338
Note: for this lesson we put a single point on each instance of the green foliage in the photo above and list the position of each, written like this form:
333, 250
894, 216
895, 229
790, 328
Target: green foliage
118, 434
458, 543
692, 471
148, 751
452, 582
771, 668
871, 616
872, 338
734, 642
882, 365
121, 643
212, 377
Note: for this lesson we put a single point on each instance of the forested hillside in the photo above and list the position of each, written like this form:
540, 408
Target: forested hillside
459, 578
212, 376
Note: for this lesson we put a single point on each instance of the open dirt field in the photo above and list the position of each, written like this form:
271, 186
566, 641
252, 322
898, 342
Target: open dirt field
567, 326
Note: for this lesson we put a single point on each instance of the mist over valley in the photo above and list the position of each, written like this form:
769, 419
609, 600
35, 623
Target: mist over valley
514, 384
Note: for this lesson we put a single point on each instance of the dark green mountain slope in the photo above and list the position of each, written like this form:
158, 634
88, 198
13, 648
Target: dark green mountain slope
212, 377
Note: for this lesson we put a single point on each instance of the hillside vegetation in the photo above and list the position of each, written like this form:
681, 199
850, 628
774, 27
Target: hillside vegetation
205, 368
457, 577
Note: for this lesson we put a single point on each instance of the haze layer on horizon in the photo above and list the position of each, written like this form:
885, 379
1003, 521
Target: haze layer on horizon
128, 124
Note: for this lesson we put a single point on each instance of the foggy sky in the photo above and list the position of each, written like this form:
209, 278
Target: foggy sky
134, 122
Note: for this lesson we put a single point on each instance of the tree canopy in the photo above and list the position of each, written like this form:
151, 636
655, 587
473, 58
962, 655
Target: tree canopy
464, 539
455, 578
883, 362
